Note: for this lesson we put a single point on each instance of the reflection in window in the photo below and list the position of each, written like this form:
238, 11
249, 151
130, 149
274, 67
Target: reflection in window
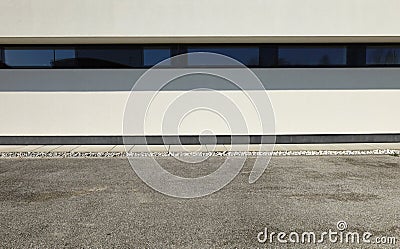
152, 56
248, 56
28, 57
62, 54
383, 55
64, 58
108, 58
311, 56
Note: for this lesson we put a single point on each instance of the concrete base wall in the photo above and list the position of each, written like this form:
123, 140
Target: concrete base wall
305, 101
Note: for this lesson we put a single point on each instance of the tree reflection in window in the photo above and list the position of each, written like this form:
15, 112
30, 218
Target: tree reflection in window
383, 55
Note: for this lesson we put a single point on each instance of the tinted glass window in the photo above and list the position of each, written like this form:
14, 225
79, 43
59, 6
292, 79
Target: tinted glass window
152, 56
148, 55
311, 56
65, 57
383, 55
62, 54
109, 58
28, 57
268, 56
248, 56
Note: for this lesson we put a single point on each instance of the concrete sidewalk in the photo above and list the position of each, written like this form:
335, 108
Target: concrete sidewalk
198, 148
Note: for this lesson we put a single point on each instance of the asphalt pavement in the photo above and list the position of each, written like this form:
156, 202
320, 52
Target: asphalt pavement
101, 203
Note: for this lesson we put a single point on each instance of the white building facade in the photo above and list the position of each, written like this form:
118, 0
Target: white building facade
331, 68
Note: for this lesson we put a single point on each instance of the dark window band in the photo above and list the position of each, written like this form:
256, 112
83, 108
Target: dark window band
251, 55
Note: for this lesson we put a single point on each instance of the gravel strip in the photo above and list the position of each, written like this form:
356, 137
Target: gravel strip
180, 154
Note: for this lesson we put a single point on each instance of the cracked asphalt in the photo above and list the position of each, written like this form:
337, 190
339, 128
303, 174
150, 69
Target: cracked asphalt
101, 203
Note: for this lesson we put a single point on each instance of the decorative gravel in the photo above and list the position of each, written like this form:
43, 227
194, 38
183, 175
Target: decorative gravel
203, 154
